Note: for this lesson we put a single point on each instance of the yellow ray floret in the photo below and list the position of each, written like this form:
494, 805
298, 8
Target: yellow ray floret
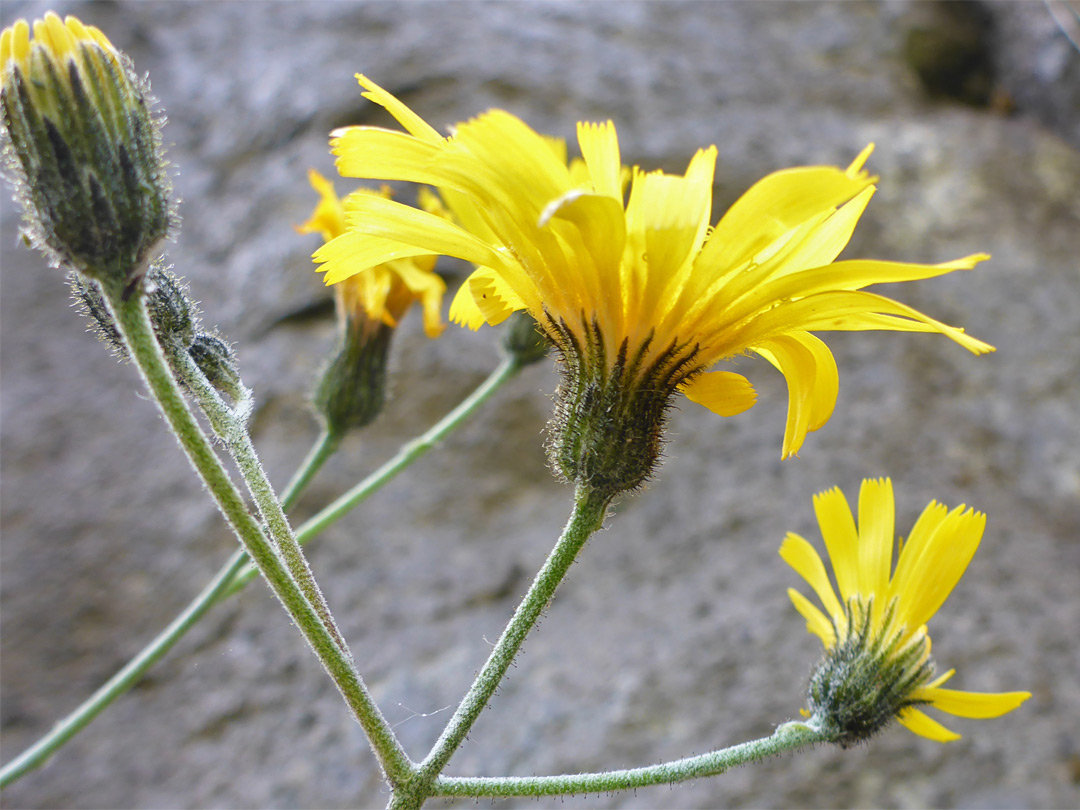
896, 602
385, 291
639, 268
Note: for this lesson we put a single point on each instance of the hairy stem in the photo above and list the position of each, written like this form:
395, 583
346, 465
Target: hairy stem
788, 737
131, 317
238, 571
38, 754
408, 454
230, 426
588, 515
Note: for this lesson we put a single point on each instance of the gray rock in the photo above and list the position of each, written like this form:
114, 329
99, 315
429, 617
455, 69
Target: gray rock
672, 635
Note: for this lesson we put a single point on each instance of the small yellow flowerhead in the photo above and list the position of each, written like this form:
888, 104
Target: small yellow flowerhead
877, 663
84, 150
623, 272
352, 390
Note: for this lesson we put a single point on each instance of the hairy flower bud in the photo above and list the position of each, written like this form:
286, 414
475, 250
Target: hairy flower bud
523, 340
174, 315
217, 361
352, 390
83, 150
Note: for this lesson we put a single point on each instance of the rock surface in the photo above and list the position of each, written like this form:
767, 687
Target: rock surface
673, 634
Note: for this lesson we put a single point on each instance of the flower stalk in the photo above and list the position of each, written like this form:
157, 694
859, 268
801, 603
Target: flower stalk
787, 738
238, 571
411, 452
590, 507
134, 325
231, 427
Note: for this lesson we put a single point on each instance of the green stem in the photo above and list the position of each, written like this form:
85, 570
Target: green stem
319, 454
36, 755
131, 317
408, 454
588, 515
231, 426
238, 571
788, 737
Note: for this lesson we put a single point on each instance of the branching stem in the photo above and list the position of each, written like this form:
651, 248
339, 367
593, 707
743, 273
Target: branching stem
588, 515
788, 737
134, 325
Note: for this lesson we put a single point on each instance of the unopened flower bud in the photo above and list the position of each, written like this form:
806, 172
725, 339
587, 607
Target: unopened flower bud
91, 303
523, 340
83, 150
174, 315
217, 361
352, 390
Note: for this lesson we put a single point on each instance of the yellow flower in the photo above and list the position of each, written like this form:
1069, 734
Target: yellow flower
637, 287
83, 150
878, 662
351, 391
386, 292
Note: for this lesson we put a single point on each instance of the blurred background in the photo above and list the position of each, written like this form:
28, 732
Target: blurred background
672, 635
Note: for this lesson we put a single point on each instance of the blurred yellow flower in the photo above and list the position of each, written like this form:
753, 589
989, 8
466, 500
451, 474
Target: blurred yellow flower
386, 292
875, 633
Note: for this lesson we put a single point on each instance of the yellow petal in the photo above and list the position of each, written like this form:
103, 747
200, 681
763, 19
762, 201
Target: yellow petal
844, 311
924, 726
600, 151
353, 253
809, 279
856, 167
501, 154
841, 539
371, 153
942, 678
328, 218
601, 228
7, 36
429, 288
484, 298
813, 383
816, 622
921, 534
977, 705
924, 584
773, 206
412, 122
388, 219
722, 392
18, 46
463, 308
803, 557
825, 242
493, 296
877, 514
671, 215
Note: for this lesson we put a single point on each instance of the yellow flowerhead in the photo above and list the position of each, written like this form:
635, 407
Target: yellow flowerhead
634, 289
85, 152
384, 293
877, 664
352, 389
